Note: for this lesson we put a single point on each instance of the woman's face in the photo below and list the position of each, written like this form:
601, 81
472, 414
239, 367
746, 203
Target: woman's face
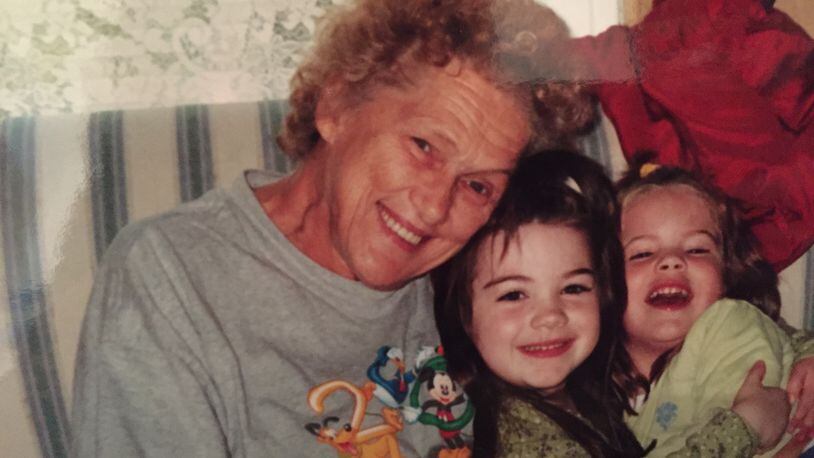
673, 265
535, 308
413, 171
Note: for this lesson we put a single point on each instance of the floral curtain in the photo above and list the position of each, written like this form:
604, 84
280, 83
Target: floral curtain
86, 55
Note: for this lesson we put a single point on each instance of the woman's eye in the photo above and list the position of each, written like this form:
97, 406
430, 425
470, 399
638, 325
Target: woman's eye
577, 288
422, 144
479, 187
511, 296
698, 251
639, 255
479, 191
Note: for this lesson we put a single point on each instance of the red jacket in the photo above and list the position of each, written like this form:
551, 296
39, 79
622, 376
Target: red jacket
724, 88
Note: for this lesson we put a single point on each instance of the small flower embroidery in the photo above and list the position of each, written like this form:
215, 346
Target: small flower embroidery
665, 414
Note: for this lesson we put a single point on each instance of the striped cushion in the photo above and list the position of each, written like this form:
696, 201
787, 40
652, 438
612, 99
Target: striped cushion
69, 183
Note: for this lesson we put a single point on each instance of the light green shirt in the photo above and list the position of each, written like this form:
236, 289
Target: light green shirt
703, 378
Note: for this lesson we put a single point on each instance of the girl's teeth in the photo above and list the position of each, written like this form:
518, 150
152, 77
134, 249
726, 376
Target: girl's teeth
544, 347
670, 291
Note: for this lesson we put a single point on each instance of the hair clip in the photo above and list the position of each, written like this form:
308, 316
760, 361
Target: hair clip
648, 168
572, 183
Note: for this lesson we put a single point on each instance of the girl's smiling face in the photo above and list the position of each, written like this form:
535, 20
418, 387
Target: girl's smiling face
535, 309
673, 265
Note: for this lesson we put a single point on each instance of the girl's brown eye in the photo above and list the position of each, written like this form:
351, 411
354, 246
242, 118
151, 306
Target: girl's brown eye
640, 255
576, 289
511, 296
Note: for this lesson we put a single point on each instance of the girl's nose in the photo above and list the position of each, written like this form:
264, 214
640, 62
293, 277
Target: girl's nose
671, 262
548, 316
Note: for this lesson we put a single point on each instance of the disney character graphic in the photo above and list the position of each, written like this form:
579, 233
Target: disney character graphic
393, 390
444, 394
349, 440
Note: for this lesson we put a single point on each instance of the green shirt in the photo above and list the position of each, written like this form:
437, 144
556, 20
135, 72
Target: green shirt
702, 379
525, 432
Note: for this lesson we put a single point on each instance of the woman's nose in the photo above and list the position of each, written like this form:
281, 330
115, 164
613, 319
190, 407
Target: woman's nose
433, 201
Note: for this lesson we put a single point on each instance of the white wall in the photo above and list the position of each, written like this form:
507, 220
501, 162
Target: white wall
78, 56
586, 17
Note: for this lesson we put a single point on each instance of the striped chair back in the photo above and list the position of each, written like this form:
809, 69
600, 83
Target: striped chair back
67, 185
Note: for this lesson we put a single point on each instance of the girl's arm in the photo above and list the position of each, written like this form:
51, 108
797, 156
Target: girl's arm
753, 424
764, 409
706, 376
801, 381
726, 434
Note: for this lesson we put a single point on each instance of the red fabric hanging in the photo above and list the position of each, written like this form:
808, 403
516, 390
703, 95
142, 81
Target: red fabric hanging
724, 88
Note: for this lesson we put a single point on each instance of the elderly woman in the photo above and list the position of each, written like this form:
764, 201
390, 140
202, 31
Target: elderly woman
223, 328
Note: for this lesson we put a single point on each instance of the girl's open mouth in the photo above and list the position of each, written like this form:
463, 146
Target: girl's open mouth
669, 297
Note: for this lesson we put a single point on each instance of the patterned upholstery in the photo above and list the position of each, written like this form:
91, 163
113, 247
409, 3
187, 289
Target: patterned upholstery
69, 183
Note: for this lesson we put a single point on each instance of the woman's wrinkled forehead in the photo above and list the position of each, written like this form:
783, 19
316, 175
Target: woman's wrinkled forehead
411, 70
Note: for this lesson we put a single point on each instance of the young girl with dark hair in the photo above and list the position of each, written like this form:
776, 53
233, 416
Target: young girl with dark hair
529, 314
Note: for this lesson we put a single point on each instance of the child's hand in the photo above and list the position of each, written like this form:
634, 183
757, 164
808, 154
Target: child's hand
801, 391
764, 409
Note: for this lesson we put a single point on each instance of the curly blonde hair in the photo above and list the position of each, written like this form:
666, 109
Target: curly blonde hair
514, 43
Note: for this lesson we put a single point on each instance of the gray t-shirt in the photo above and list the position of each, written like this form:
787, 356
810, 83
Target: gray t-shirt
206, 329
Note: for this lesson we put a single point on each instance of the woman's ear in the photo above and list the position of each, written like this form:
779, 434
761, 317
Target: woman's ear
328, 114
